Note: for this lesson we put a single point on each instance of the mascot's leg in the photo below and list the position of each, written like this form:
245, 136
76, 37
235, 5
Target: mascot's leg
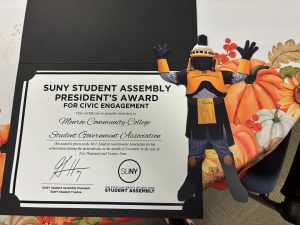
235, 187
193, 180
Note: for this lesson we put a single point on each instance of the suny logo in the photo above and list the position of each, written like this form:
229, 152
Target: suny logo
129, 171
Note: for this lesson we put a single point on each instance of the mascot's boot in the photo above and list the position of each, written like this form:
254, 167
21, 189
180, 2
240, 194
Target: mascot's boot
235, 187
192, 182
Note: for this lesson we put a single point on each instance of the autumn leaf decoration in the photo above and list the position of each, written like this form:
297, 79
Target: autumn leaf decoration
284, 53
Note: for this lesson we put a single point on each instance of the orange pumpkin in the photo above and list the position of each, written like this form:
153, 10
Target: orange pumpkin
245, 149
4, 130
2, 164
244, 99
234, 64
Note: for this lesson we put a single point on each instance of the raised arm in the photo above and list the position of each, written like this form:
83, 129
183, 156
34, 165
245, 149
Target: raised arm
161, 53
244, 66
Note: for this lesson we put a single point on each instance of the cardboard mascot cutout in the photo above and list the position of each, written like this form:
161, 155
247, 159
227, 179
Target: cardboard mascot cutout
207, 120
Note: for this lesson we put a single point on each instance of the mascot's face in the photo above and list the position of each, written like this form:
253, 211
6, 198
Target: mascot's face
203, 63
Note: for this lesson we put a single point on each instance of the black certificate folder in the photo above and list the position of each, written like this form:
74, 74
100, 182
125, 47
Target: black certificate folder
115, 36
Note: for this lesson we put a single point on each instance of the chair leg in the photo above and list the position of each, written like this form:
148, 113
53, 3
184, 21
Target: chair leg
289, 209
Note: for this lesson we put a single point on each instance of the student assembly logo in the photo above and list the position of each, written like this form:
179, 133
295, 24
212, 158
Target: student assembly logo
129, 171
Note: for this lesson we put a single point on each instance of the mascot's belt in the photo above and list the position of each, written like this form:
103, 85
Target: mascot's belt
206, 109
194, 101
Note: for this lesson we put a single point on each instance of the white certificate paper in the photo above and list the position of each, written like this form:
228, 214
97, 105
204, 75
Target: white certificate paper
100, 140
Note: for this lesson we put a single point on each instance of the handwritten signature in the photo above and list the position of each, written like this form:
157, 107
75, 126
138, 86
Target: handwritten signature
67, 166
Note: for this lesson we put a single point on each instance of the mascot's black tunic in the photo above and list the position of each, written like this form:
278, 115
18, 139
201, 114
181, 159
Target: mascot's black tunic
213, 81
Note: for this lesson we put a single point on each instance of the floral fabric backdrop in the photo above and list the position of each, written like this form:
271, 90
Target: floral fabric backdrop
11, 22
263, 110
